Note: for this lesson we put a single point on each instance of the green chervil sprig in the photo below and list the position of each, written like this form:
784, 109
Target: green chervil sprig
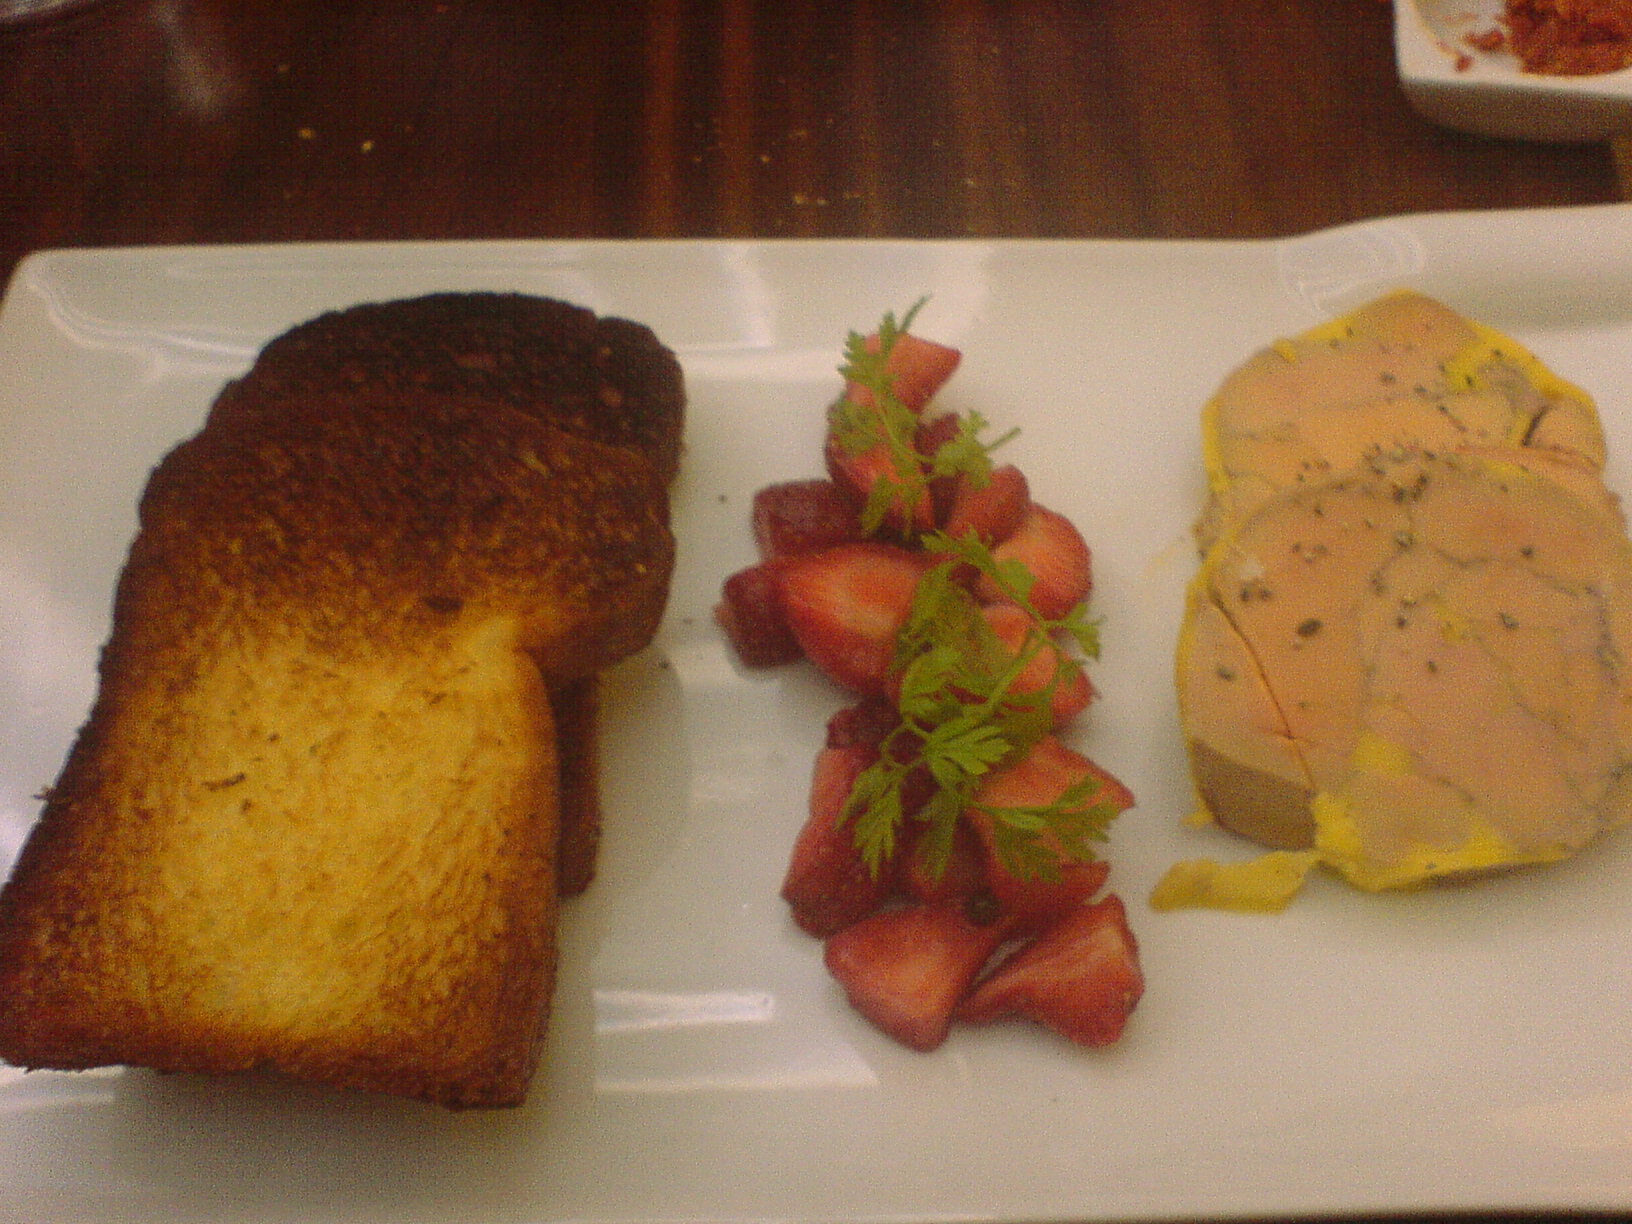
1031, 841
961, 719
1016, 582
887, 422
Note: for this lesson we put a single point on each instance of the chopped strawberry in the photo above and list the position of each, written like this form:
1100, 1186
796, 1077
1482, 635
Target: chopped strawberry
845, 606
906, 969
1047, 772
1032, 902
858, 472
918, 368
750, 612
933, 433
866, 723
1051, 547
1111, 788
1039, 779
1072, 689
992, 511
909, 943
1080, 977
828, 885
961, 876
801, 516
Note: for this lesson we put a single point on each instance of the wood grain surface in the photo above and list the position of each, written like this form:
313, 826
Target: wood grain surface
200, 121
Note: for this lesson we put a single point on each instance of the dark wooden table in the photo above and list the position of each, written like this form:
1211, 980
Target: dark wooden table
211, 121
162, 121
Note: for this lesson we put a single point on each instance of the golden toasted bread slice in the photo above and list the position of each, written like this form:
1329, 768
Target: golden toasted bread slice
311, 822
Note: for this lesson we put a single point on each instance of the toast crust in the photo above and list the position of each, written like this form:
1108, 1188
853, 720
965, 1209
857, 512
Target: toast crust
599, 377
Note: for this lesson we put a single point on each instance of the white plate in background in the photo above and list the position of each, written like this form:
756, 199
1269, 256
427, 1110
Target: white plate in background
1452, 83
1463, 1049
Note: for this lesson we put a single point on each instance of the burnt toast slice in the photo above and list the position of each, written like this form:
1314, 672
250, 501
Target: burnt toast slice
600, 377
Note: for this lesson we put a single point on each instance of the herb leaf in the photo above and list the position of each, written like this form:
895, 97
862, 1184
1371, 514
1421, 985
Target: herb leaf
961, 715
1032, 841
961, 719
880, 421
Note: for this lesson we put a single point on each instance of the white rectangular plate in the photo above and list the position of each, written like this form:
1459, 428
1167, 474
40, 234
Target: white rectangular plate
1467, 1048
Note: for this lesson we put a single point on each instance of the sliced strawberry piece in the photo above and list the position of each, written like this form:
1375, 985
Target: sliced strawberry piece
1018, 632
1032, 902
961, 876
801, 516
750, 612
906, 969
1051, 547
933, 433
918, 368
828, 885
1047, 772
858, 472
1037, 780
1080, 977
845, 606
866, 723
992, 511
